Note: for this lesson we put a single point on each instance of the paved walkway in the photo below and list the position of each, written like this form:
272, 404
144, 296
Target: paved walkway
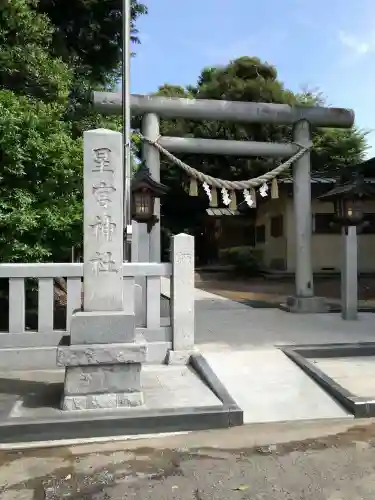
231, 325
222, 323
240, 344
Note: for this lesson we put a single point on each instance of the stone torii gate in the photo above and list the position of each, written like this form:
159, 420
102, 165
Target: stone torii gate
301, 118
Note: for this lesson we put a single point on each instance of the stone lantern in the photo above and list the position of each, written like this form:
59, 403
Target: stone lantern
348, 198
144, 192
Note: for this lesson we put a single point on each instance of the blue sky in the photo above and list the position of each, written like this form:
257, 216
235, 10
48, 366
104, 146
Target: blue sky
325, 44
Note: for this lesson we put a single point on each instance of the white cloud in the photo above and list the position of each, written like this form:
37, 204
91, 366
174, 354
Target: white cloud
358, 46
222, 53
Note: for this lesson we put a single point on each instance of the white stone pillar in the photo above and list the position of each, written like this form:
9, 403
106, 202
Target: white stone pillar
103, 362
302, 213
103, 220
349, 274
304, 300
182, 299
140, 253
151, 130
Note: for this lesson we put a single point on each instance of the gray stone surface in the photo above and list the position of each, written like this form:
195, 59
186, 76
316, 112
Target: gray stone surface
40, 392
140, 253
269, 387
151, 155
101, 327
306, 305
182, 297
103, 378
349, 274
106, 354
103, 220
355, 374
103, 401
229, 325
302, 212
179, 357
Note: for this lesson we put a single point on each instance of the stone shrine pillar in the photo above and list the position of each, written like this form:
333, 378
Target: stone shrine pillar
151, 129
304, 300
103, 361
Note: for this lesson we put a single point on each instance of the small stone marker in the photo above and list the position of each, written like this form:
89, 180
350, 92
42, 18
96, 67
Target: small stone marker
182, 299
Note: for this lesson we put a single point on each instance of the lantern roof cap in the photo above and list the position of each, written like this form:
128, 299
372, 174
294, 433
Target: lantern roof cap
356, 188
143, 178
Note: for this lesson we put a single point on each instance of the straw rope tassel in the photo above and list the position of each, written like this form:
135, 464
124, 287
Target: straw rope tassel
274, 188
233, 201
193, 191
213, 197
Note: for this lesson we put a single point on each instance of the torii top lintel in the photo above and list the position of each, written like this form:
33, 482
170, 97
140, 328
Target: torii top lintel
204, 109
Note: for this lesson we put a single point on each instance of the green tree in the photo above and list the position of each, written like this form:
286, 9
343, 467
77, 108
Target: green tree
334, 149
40, 162
245, 79
40, 182
250, 79
52, 53
88, 35
26, 66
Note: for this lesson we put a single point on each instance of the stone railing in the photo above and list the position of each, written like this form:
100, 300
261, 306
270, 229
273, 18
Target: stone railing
31, 344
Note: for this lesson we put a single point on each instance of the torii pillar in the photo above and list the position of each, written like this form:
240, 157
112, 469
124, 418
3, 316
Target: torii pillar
304, 300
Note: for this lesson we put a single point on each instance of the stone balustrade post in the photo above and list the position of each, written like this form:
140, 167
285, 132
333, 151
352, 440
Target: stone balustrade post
182, 299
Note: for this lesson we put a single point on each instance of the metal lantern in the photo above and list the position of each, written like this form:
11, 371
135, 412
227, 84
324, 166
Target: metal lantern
143, 205
348, 200
349, 211
144, 192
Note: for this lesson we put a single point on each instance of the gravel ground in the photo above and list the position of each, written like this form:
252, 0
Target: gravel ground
251, 462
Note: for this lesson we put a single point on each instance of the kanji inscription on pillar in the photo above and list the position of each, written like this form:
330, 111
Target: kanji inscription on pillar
104, 227
103, 221
103, 193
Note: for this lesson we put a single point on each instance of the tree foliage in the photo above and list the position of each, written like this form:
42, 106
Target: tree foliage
334, 149
40, 181
40, 163
88, 35
52, 53
26, 66
250, 79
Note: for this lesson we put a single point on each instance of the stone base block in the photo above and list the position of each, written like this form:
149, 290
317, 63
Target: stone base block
102, 375
306, 305
179, 357
102, 327
101, 379
101, 354
108, 401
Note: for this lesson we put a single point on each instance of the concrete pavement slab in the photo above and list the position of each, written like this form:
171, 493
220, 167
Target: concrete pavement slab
228, 324
164, 387
356, 374
269, 387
